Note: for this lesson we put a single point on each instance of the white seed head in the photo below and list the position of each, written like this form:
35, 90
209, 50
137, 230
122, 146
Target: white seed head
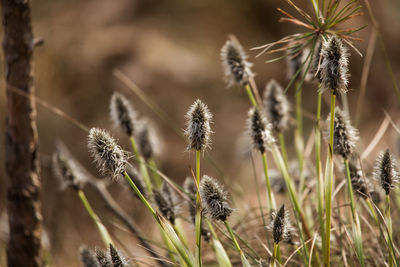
260, 130
167, 202
334, 65
148, 143
276, 106
280, 226
234, 62
385, 171
198, 130
107, 154
122, 114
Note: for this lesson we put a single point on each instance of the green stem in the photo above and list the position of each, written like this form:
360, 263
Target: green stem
234, 240
276, 255
357, 229
299, 138
271, 199
250, 95
156, 177
328, 185
320, 190
105, 236
142, 165
198, 217
389, 226
283, 149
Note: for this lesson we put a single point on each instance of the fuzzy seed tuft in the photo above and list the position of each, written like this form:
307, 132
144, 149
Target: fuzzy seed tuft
103, 258
276, 106
147, 140
116, 259
198, 129
334, 66
358, 183
109, 157
385, 171
214, 199
122, 114
167, 202
260, 130
234, 62
87, 257
280, 226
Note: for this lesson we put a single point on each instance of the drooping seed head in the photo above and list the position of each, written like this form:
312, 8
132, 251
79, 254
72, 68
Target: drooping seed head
260, 130
116, 259
167, 202
147, 140
276, 106
122, 114
234, 62
109, 157
87, 257
280, 226
214, 199
102, 257
358, 182
190, 189
345, 136
334, 66
66, 169
385, 171
198, 130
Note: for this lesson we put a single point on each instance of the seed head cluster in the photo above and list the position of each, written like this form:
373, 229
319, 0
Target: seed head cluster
260, 130
122, 114
167, 202
334, 66
198, 130
109, 157
385, 171
280, 226
66, 169
345, 136
276, 106
88, 258
214, 199
234, 61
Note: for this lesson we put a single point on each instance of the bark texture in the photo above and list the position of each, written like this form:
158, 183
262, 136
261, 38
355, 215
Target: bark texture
21, 144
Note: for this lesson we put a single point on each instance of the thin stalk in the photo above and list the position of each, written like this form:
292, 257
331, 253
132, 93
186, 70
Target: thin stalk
198, 217
283, 149
329, 185
357, 226
142, 165
220, 253
298, 136
243, 258
320, 190
271, 199
156, 177
276, 255
390, 230
250, 95
105, 236
179, 233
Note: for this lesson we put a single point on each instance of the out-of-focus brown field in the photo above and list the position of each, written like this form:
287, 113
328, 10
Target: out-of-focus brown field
170, 49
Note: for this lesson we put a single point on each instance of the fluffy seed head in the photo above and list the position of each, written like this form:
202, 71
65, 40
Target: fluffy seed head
214, 199
345, 136
109, 157
294, 61
167, 202
234, 62
102, 258
334, 65
357, 181
198, 129
116, 259
280, 226
122, 114
190, 189
66, 169
260, 130
87, 257
313, 72
276, 106
147, 140
385, 171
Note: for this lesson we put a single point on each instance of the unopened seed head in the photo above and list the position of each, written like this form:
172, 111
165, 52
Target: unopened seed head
385, 171
276, 106
87, 257
147, 141
198, 130
234, 61
260, 130
345, 136
107, 154
334, 66
214, 199
122, 114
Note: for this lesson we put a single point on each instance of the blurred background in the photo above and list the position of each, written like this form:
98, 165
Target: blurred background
170, 49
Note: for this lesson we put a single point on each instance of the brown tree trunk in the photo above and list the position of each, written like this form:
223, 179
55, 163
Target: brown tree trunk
21, 142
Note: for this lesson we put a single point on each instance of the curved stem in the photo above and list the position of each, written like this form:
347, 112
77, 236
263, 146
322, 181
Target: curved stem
198, 217
250, 95
271, 199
